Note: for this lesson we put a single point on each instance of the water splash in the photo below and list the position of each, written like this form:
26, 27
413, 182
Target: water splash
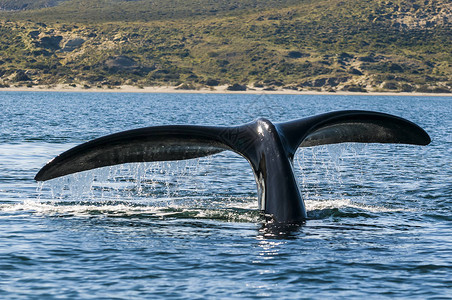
182, 189
325, 172
128, 181
197, 188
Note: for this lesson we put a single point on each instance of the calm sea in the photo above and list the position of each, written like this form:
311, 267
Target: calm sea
380, 216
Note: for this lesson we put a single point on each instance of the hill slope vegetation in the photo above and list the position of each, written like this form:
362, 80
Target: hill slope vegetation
329, 45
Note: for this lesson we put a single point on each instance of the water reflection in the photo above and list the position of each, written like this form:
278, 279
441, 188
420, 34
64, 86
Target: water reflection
272, 240
268, 249
274, 231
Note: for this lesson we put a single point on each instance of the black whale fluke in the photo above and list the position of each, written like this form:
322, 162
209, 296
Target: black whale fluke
268, 147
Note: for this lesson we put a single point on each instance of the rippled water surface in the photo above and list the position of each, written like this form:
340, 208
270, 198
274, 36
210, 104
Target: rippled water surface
380, 216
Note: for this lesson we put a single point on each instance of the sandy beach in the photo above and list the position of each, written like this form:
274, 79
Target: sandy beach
213, 90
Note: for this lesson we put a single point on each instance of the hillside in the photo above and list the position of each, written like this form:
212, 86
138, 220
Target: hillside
17, 5
137, 10
329, 45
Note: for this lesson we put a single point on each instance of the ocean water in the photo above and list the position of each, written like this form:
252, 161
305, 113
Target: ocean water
380, 216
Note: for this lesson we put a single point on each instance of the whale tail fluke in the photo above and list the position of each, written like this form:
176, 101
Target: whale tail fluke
268, 147
352, 126
161, 143
179, 142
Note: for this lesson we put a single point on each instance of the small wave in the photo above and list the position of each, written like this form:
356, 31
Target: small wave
239, 212
227, 209
439, 217
346, 208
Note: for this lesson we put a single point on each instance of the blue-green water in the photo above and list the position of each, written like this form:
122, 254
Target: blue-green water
380, 215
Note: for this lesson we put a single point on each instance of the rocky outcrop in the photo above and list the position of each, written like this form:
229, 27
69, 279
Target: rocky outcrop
237, 87
72, 44
212, 82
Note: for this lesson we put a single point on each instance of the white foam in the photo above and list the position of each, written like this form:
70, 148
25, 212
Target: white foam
229, 209
348, 203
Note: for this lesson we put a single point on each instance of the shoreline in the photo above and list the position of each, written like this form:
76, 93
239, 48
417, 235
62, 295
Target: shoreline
214, 90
